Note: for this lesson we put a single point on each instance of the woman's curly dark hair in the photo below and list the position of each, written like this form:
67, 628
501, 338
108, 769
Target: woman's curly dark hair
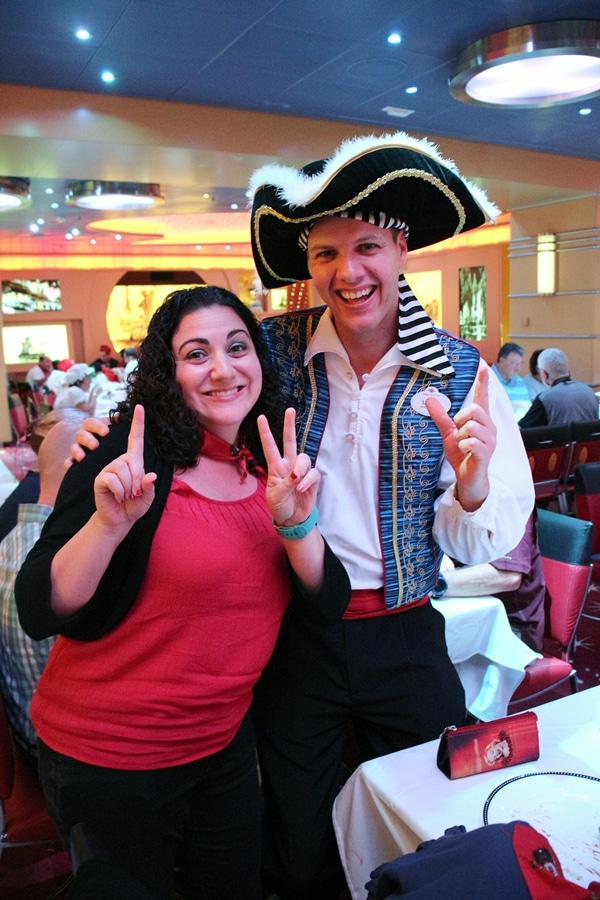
174, 426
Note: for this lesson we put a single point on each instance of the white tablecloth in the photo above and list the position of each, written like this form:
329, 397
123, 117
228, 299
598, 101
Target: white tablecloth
112, 394
390, 804
8, 482
489, 658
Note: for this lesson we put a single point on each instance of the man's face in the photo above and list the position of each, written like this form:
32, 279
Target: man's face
46, 364
510, 365
355, 268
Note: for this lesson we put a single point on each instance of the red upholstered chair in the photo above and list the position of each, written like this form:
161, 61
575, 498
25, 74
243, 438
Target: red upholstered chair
548, 451
567, 572
587, 505
585, 448
31, 851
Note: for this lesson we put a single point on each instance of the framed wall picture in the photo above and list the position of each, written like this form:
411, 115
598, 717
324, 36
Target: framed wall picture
22, 295
24, 344
472, 299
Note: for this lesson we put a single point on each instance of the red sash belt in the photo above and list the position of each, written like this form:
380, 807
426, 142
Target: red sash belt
367, 604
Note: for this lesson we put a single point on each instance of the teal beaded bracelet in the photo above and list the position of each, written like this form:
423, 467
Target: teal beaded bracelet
293, 532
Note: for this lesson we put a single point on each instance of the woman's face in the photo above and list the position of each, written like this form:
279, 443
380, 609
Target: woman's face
217, 368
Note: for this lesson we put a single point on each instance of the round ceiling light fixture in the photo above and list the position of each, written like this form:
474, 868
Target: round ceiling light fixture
113, 195
531, 66
14, 193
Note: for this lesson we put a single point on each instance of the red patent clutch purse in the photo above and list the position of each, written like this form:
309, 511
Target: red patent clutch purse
485, 746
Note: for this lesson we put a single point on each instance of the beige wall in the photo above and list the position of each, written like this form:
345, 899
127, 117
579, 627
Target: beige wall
570, 318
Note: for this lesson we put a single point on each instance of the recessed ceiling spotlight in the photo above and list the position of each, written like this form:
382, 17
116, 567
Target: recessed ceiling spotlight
585, 111
113, 195
14, 193
54, 205
411, 90
34, 227
531, 66
394, 38
82, 34
234, 206
49, 190
107, 77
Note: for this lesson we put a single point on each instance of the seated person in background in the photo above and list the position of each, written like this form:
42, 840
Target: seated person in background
567, 400
533, 380
22, 660
130, 358
56, 379
76, 392
106, 363
28, 488
507, 368
37, 374
516, 578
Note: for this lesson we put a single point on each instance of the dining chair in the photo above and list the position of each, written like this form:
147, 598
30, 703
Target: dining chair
548, 448
585, 448
20, 425
586, 500
31, 850
566, 547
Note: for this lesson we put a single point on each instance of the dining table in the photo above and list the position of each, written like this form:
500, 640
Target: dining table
489, 657
393, 803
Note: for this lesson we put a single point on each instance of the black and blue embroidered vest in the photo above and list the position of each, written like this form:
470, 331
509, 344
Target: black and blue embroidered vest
410, 451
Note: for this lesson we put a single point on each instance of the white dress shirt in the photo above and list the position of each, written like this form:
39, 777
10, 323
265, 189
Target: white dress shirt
348, 498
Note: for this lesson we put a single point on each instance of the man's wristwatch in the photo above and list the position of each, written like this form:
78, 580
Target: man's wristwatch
441, 586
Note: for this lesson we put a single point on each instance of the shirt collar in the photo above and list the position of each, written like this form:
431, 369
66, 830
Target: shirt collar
326, 340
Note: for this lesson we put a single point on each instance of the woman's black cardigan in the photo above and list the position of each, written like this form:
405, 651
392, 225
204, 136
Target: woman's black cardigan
121, 582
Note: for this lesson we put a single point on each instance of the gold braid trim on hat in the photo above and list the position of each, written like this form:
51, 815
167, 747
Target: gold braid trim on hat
362, 195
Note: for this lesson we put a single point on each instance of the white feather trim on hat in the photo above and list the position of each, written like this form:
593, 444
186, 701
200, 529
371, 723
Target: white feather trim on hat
297, 189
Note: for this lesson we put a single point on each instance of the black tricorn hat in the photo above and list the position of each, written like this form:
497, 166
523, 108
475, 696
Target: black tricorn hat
398, 175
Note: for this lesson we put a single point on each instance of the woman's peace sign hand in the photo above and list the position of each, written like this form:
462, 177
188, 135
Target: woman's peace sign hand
292, 482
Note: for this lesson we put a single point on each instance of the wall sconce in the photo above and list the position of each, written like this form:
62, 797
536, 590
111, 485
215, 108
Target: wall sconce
546, 264
14, 193
113, 195
531, 66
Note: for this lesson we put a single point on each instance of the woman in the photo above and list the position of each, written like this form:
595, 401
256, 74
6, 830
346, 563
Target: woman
76, 391
162, 553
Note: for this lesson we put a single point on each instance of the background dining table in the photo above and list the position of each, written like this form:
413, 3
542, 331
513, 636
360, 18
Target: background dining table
391, 804
489, 658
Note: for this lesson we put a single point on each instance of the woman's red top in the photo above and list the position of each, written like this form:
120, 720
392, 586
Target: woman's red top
173, 681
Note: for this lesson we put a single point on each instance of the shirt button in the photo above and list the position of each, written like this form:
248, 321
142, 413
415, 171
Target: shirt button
350, 438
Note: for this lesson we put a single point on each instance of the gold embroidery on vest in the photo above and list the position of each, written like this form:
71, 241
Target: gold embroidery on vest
395, 476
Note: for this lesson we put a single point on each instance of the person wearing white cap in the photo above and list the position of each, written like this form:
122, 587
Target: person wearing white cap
76, 391
419, 453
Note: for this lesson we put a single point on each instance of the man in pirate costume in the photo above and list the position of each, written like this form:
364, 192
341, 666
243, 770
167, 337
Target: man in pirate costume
419, 453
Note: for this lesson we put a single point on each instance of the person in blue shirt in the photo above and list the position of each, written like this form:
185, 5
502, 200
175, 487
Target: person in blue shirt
507, 368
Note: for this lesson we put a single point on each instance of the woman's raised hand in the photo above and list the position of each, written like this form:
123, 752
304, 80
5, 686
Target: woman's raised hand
292, 482
123, 491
